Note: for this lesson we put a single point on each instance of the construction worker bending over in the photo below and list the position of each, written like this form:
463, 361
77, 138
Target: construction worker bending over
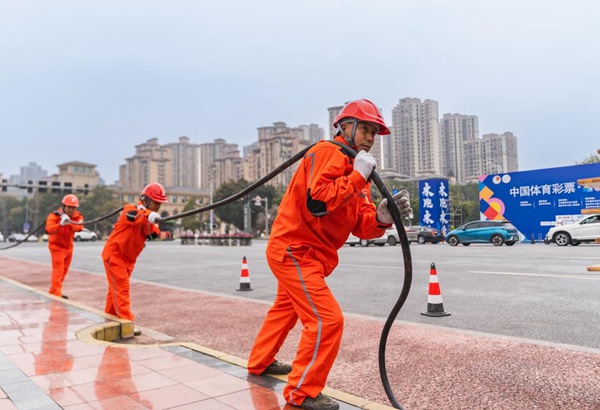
328, 198
135, 224
60, 240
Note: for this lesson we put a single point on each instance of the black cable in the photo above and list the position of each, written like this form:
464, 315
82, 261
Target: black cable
244, 191
405, 245
40, 226
101, 218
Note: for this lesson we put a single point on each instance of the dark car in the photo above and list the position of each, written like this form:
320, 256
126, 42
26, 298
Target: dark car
428, 234
496, 232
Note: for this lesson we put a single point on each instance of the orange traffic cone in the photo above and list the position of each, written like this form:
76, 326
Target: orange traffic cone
245, 277
435, 307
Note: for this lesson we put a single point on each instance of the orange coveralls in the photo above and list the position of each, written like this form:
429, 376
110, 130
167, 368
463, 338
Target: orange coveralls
60, 243
120, 253
325, 201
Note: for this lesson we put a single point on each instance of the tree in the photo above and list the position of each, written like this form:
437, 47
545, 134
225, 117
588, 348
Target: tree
98, 203
7, 203
233, 213
592, 159
191, 222
464, 203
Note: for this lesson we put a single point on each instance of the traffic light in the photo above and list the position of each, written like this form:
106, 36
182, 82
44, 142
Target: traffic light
30, 187
4, 183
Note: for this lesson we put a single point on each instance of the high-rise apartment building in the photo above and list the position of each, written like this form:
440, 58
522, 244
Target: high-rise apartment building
312, 133
415, 141
499, 153
184, 163
150, 163
455, 131
492, 154
220, 162
333, 113
276, 144
173, 165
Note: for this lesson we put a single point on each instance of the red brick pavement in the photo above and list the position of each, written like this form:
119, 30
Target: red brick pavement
429, 367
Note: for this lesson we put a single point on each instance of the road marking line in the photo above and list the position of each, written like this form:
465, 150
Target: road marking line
578, 257
545, 275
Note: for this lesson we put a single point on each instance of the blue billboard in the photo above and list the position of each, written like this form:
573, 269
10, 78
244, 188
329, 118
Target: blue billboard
434, 206
534, 201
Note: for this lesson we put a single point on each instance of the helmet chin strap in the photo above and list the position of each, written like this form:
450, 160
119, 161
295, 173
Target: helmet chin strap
350, 140
145, 200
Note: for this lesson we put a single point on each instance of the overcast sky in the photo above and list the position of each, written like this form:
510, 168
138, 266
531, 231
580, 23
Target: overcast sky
87, 81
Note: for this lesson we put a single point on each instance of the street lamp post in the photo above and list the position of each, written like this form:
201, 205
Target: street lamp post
257, 202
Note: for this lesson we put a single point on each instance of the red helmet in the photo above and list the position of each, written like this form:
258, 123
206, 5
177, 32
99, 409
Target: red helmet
70, 200
363, 110
155, 192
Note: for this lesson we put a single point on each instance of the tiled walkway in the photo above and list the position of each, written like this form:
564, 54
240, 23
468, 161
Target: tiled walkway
45, 365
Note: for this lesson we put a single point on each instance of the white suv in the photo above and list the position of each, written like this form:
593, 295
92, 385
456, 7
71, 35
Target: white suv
586, 230
85, 235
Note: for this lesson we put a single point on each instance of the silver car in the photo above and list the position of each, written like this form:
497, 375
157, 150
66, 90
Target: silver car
392, 238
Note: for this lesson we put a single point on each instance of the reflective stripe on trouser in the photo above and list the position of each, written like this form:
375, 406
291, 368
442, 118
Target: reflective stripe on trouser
61, 260
118, 302
303, 292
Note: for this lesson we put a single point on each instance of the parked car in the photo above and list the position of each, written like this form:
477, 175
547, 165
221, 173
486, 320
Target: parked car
19, 237
85, 235
428, 234
355, 240
586, 230
392, 238
496, 232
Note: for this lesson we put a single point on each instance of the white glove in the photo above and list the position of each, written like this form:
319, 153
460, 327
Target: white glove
401, 199
64, 220
153, 217
364, 163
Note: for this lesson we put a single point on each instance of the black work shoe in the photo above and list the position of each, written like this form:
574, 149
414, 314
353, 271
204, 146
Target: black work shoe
65, 297
137, 332
319, 403
278, 367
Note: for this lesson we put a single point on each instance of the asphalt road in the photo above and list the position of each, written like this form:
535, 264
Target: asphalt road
540, 292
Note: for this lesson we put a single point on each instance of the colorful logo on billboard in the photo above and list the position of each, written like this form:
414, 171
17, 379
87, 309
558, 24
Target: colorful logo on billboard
535, 200
434, 205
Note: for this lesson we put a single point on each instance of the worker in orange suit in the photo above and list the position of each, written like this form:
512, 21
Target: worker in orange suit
327, 199
135, 225
60, 240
